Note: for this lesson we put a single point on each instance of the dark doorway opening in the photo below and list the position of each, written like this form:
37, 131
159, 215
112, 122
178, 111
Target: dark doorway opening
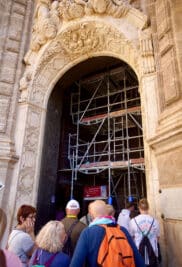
93, 138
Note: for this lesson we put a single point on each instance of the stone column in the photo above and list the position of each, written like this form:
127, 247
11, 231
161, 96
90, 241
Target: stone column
15, 21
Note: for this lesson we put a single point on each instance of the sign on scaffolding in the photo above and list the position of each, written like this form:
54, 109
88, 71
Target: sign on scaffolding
95, 192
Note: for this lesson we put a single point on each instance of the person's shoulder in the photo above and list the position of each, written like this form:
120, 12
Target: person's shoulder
64, 219
82, 225
61, 259
93, 228
156, 222
134, 219
15, 231
19, 234
64, 256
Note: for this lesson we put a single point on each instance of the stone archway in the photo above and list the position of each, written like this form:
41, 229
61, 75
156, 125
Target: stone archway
74, 43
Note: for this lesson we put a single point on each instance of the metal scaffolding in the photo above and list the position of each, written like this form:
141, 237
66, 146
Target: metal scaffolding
106, 111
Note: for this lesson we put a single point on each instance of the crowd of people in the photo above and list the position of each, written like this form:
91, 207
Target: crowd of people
77, 242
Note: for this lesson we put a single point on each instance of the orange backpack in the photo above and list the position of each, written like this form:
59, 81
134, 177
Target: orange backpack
115, 251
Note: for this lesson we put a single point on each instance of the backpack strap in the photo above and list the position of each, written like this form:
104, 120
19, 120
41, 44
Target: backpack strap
71, 227
47, 263
87, 220
141, 229
35, 260
50, 260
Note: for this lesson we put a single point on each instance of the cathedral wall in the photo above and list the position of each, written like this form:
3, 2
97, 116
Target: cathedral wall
167, 143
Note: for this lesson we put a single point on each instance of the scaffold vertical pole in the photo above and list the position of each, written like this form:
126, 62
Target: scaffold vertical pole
109, 138
127, 137
77, 133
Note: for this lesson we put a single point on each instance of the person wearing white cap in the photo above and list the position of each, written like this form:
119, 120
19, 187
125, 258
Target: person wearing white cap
72, 225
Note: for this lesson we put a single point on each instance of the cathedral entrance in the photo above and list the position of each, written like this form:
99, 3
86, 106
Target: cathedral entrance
93, 143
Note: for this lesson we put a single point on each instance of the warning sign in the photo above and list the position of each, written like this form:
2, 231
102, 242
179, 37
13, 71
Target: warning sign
95, 192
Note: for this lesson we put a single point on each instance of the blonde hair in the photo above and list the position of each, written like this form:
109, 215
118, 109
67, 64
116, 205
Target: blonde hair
110, 210
50, 236
143, 204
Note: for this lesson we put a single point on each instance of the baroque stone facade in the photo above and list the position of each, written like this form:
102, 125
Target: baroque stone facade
144, 34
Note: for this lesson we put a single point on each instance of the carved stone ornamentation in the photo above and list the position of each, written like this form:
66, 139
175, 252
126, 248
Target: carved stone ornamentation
28, 159
46, 22
49, 17
4, 109
70, 10
89, 37
55, 47
147, 53
24, 83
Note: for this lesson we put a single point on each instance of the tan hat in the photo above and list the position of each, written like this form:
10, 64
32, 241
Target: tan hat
72, 205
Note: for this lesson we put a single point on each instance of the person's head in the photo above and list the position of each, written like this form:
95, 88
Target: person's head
130, 206
24, 212
143, 205
110, 210
72, 207
97, 208
51, 237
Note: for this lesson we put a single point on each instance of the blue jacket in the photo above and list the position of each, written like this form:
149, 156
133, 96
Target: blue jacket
88, 246
61, 259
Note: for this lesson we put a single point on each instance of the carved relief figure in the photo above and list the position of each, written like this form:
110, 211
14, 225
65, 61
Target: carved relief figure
24, 82
46, 22
69, 10
78, 8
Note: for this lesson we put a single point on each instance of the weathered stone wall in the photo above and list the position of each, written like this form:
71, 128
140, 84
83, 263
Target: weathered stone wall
15, 22
167, 143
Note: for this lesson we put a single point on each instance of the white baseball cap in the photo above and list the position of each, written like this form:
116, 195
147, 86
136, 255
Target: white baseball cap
72, 205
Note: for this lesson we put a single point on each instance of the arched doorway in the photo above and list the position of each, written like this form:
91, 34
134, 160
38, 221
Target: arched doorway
93, 138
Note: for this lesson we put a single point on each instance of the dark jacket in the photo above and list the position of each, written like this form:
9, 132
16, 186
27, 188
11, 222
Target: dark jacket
77, 229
